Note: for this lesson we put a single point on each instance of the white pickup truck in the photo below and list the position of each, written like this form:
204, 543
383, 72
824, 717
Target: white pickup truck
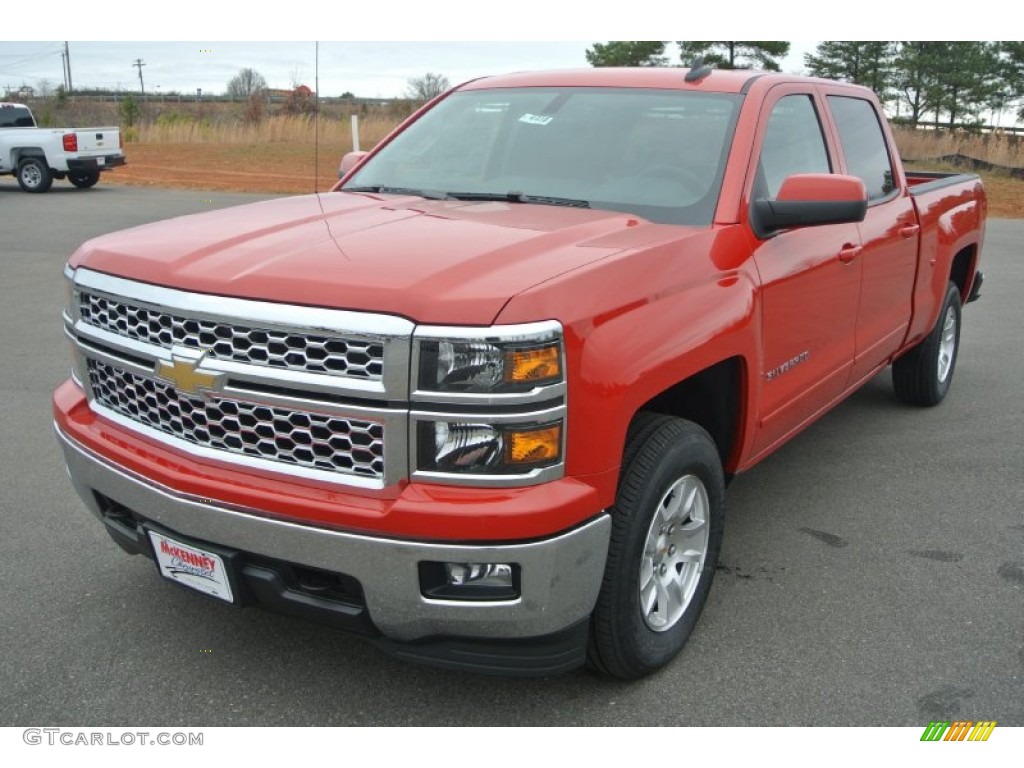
37, 156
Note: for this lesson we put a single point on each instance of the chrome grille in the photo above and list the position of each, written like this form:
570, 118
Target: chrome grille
236, 342
311, 440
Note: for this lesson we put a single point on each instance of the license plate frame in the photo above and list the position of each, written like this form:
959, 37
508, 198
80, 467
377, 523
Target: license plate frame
198, 568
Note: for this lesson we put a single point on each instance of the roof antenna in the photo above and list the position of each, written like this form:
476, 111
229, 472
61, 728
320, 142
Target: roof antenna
698, 71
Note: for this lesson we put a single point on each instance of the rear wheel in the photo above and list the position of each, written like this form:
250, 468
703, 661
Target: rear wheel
84, 179
34, 175
923, 375
666, 533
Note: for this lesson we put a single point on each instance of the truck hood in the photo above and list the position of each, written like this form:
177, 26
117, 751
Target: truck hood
433, 261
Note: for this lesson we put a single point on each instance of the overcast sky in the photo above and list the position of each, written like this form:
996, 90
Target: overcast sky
372, 69
455, 28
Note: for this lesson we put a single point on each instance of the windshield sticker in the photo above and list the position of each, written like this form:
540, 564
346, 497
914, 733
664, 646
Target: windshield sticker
535, 119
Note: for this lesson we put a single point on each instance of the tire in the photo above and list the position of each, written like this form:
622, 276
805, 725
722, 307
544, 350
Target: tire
34, 175
923, 375
670, 500
84, 179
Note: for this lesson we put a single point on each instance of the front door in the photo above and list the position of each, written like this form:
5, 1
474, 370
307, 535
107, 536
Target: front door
810, 281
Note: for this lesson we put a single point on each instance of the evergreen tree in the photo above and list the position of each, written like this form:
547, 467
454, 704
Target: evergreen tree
736, 55
967, 75
864, 62
1012, 72
916, 74
627, 53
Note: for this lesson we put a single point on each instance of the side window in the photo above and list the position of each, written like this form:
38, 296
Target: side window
793, 143
863, 144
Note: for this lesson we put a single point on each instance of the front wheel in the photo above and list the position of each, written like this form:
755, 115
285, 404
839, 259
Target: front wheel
34, 175
84, 179
923, 375
667, 526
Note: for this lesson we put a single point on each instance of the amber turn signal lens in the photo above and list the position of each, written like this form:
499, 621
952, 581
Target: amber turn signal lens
534, 446
526, 365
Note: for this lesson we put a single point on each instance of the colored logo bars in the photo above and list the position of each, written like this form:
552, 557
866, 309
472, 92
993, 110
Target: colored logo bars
959, 730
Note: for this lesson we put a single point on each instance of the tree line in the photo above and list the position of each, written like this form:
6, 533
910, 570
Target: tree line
249, 83
943, 83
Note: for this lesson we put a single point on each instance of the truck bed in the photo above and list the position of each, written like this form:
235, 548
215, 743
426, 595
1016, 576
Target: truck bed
926, 181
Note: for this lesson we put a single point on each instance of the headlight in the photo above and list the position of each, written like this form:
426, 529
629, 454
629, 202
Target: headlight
488, 404
502, 359
491, 449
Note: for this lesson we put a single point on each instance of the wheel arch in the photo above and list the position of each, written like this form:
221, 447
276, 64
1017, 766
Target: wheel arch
715, 398
950, 246
20, 153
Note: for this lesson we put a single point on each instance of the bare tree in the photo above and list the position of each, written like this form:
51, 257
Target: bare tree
45, 89
427, 87
247, 84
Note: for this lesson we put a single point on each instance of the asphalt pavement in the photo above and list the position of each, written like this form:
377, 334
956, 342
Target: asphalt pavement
872, 571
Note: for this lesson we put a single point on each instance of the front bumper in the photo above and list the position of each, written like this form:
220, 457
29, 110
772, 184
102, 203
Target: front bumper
560, 575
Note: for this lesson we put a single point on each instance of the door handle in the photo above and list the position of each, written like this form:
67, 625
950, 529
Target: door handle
849, 253
910, 230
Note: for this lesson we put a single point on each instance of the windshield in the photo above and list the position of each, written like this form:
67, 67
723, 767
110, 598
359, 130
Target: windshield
659, 154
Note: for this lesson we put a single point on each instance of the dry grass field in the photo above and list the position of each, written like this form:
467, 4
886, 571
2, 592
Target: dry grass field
996, 148
280, 154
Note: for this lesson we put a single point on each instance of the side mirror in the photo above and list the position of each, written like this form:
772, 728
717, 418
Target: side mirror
349, 161
811, 199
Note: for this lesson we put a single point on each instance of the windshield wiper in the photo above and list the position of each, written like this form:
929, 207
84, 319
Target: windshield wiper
429, 194
519, 197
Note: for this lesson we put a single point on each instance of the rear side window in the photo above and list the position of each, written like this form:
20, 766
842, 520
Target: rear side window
793, 143
15, 117
863, 144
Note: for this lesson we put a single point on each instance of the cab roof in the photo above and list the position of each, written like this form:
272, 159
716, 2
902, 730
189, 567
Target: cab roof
721, 81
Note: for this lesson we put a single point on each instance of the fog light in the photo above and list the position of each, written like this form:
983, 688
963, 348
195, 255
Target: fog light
469, 581
480, 574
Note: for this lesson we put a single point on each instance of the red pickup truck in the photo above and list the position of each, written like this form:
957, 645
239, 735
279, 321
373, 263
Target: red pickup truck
480, 403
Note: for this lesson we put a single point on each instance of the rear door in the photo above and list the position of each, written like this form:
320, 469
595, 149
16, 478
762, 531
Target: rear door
889, 233
809, 285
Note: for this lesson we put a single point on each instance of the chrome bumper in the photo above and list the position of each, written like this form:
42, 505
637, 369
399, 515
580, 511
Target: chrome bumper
560, 576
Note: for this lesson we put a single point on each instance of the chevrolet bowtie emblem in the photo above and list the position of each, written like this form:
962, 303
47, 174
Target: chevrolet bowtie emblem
182, 373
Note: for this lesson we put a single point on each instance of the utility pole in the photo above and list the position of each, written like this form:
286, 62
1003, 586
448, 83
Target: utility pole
139, 63
67, 63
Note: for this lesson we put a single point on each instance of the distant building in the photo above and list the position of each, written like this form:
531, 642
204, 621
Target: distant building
299, 93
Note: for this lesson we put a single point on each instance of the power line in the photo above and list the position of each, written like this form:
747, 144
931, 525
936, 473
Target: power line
30, 58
